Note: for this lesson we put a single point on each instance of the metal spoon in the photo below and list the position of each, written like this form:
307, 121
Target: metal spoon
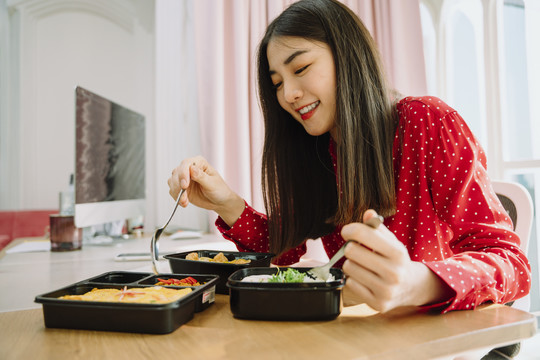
157, 234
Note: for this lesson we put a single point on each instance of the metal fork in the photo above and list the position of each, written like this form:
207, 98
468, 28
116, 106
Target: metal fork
323, 272
157, 234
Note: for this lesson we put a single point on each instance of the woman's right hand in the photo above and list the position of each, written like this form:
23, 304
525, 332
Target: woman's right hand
205, 188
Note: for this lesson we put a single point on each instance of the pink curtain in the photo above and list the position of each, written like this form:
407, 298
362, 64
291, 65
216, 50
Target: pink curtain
227, 35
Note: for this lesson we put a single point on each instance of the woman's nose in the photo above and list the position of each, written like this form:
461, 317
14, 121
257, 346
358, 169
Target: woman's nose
292, 91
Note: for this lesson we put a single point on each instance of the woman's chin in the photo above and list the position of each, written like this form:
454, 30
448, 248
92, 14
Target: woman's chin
315, 132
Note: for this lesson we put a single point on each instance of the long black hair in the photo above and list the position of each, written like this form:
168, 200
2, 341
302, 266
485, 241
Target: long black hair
301, 195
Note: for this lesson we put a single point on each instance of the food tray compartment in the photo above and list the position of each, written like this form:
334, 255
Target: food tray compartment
133, 279
207, 289
123, 317
179, 264
118, 277
285, 301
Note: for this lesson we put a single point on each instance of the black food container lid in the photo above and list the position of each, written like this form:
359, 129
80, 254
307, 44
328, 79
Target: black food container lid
126, 317
285, 301
179, 264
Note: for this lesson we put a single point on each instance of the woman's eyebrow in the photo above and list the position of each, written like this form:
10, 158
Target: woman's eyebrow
293, 55
291, 58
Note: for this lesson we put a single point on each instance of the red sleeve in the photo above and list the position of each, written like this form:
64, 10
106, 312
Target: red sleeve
486, 263
250, 234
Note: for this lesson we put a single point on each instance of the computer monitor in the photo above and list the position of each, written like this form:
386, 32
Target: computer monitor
109, 161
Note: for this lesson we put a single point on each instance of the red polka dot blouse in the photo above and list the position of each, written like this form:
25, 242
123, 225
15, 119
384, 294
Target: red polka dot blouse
447, 215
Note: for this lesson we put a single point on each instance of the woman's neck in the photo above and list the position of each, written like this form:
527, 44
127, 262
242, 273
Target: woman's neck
334, 134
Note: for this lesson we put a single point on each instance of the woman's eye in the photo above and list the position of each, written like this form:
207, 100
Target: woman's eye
301, 69
276, 85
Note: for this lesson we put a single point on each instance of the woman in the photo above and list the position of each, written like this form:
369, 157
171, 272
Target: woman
340, 147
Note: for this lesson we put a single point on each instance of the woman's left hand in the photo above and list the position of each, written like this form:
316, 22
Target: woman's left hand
381, 273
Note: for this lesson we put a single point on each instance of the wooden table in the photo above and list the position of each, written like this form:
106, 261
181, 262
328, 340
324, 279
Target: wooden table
358, 333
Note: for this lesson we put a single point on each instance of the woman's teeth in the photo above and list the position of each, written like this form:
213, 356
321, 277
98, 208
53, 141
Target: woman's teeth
308, 108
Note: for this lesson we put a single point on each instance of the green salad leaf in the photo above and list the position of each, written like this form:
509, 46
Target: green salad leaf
288, 276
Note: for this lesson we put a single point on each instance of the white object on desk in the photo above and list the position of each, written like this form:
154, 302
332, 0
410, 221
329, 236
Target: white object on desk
185, 234
31, 246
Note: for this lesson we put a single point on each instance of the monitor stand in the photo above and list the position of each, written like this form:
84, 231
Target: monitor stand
106, 234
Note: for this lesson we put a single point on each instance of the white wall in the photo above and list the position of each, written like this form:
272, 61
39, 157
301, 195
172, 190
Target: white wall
55, 45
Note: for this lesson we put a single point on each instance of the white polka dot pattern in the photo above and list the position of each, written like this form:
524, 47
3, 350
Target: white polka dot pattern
447, 214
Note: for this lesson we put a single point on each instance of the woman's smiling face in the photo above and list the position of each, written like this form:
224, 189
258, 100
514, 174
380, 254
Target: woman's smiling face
303, 74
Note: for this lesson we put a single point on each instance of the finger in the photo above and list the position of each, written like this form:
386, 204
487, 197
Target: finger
201, 175
198, 161
180, 179
361, 292
174, 190
380, 240
368, 214
363, 274
201, 163
378, 297
367, 260
184, 199
364, 235
182, 172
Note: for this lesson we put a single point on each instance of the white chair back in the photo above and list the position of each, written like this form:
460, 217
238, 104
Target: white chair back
518, 203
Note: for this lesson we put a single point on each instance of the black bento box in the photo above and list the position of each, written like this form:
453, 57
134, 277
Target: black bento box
285, 301
179, 264
126, 317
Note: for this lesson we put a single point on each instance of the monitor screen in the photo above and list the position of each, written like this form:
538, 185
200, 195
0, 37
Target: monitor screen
109, 161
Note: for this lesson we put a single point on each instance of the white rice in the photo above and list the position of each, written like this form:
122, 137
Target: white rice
265, 278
